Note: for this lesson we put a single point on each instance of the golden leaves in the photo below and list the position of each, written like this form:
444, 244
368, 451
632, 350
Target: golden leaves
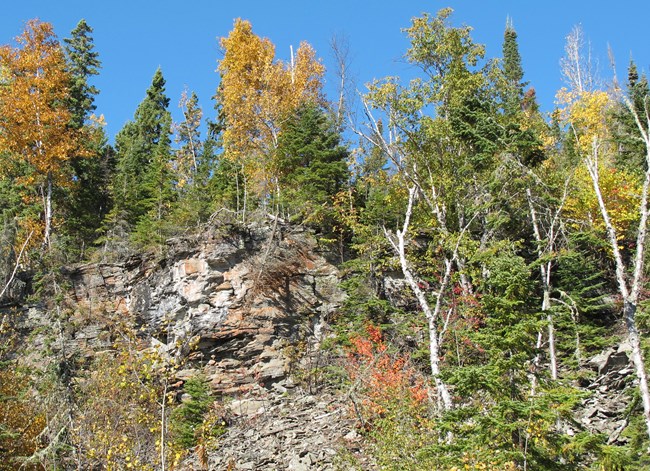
621, 192
258, 93
585, 113
34, 114
34, 123
20, 421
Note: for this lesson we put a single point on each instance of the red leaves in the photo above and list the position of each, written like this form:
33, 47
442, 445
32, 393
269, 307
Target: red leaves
385, 378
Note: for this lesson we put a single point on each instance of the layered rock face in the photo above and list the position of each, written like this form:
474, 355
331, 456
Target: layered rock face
232, 304
243, 306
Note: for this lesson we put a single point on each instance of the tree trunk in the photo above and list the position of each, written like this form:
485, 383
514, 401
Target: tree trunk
629, 290
629, 310
546, 306
48, 210
431, 315
545, 273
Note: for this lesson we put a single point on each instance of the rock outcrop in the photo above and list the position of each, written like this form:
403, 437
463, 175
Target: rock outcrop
605, 410
231, 305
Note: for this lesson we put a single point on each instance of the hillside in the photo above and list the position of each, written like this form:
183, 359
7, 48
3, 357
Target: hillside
461, 285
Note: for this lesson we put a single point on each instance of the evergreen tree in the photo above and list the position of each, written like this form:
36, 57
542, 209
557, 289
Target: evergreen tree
631, 154
86, 200
158, 190
522, 124
512, 70
312, 162
83, 63
143, 151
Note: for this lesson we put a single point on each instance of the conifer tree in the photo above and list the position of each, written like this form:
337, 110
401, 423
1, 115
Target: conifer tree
512, 70
83, 63
311, 162
143, 151
522, 122
87, 200
631, 154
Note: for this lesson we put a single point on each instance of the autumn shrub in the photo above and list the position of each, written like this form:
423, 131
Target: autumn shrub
120, 423
21, 422
392, 400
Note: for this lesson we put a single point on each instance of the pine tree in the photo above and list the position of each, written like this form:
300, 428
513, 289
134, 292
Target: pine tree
631, 155
312, 165
87, 200
522, 123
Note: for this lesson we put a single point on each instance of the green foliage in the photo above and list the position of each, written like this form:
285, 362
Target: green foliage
631, 151
581, 311
470, 143
312, 165
513, 71
187, 418
83, 62
87, 200
142, 187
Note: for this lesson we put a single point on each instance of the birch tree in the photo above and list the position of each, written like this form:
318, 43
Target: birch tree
258, 95
34, 117
585, 113
438, 168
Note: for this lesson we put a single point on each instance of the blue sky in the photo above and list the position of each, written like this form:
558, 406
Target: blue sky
135, 37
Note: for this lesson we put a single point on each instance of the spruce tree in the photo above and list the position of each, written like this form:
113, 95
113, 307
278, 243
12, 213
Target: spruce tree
143, 147
512, 70
631, 154
83, 63
312, 162
522, 124
87, 199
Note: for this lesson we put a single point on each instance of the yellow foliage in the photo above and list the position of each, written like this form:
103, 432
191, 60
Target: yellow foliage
586, 114
119, 423
621, 193
258, 93
20, 422
35, 119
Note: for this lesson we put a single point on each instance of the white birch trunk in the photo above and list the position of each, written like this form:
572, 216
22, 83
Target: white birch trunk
432, 315
628, 289
48, 210
545, 273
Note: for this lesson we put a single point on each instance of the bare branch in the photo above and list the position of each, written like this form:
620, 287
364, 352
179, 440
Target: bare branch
13, 273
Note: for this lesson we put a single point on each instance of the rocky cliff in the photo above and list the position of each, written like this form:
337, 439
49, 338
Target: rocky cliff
232, 302
243, 306
247, 308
